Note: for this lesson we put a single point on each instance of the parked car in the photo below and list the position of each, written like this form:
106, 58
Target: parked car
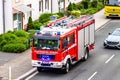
113, 40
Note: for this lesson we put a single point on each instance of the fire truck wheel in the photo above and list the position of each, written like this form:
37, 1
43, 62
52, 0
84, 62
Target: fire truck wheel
86, 55
39, 69
67, 67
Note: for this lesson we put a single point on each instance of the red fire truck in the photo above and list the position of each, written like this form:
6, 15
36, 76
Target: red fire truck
62, 44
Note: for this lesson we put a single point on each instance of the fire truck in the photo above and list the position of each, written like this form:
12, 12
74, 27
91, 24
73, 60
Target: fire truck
64, 43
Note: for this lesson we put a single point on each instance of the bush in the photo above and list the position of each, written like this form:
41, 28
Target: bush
15, 48
16, 41
85, 4
21, 40
2, 43
31, 33
75, 13
36, 25
8, 37
94, 3
80, 6
21, 33
44, 18
72, 7
61, 14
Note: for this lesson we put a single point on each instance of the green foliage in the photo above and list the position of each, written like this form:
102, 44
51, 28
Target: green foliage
14, 48
31, 33
21, 40
72, 7
80, 6
21, 33
75, 13
85, 4
45, 17
60, 14
2, 43
36, 25
94, 3
8, 37
15, 41
30, 23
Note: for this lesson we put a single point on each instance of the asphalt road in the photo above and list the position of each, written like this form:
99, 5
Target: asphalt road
103, 64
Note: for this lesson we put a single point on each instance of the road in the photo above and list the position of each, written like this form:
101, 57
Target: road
103, 64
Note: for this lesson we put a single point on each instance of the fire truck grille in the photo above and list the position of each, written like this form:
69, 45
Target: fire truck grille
112, 43
45, 57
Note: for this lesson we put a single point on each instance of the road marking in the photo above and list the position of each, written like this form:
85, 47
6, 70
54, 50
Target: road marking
28, 78
109, 58
27, 74
92, 76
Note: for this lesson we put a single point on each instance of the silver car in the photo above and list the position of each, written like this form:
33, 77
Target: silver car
113, 40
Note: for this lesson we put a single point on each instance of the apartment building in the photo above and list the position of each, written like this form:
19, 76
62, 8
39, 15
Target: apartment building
1, 17
15, 13
5, 16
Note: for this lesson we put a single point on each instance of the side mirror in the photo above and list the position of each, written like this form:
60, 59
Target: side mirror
29, 41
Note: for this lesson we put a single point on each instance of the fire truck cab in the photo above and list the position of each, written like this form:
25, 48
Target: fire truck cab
63, 43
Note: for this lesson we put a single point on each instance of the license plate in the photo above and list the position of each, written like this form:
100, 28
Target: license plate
44, 62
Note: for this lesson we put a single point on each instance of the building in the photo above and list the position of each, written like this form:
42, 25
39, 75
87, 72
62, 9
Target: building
5, 16
15, 13
1, 17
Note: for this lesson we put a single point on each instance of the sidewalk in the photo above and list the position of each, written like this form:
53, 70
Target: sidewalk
22, 62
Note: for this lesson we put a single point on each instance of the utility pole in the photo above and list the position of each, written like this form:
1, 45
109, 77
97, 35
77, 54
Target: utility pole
3, 15
51, 6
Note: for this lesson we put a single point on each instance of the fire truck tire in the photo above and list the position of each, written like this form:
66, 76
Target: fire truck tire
86, 55
39, 69
66, 67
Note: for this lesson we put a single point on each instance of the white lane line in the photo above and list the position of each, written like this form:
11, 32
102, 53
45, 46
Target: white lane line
109, 59
26, 74
92, 76
28, 78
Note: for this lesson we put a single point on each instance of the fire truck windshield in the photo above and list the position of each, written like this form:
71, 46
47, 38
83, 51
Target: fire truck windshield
46, 44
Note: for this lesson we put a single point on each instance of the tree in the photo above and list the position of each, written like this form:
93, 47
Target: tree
30, 23
85, 4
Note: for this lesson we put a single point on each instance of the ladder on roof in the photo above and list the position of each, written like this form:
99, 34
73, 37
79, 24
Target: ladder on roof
80, 20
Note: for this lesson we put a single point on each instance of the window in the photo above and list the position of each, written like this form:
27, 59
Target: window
46, 44
46, 4
71, 39
64, 42
40, 5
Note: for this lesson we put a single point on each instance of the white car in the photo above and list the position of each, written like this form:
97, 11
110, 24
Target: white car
113, 40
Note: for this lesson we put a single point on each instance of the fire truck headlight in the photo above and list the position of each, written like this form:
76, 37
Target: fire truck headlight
34, 62
59, 65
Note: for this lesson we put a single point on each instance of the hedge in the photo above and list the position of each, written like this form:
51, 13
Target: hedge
45, 17
16, 41
14, 48
21, 33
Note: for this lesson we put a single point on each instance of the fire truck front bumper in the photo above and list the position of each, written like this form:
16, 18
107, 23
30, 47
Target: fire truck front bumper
43, 64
